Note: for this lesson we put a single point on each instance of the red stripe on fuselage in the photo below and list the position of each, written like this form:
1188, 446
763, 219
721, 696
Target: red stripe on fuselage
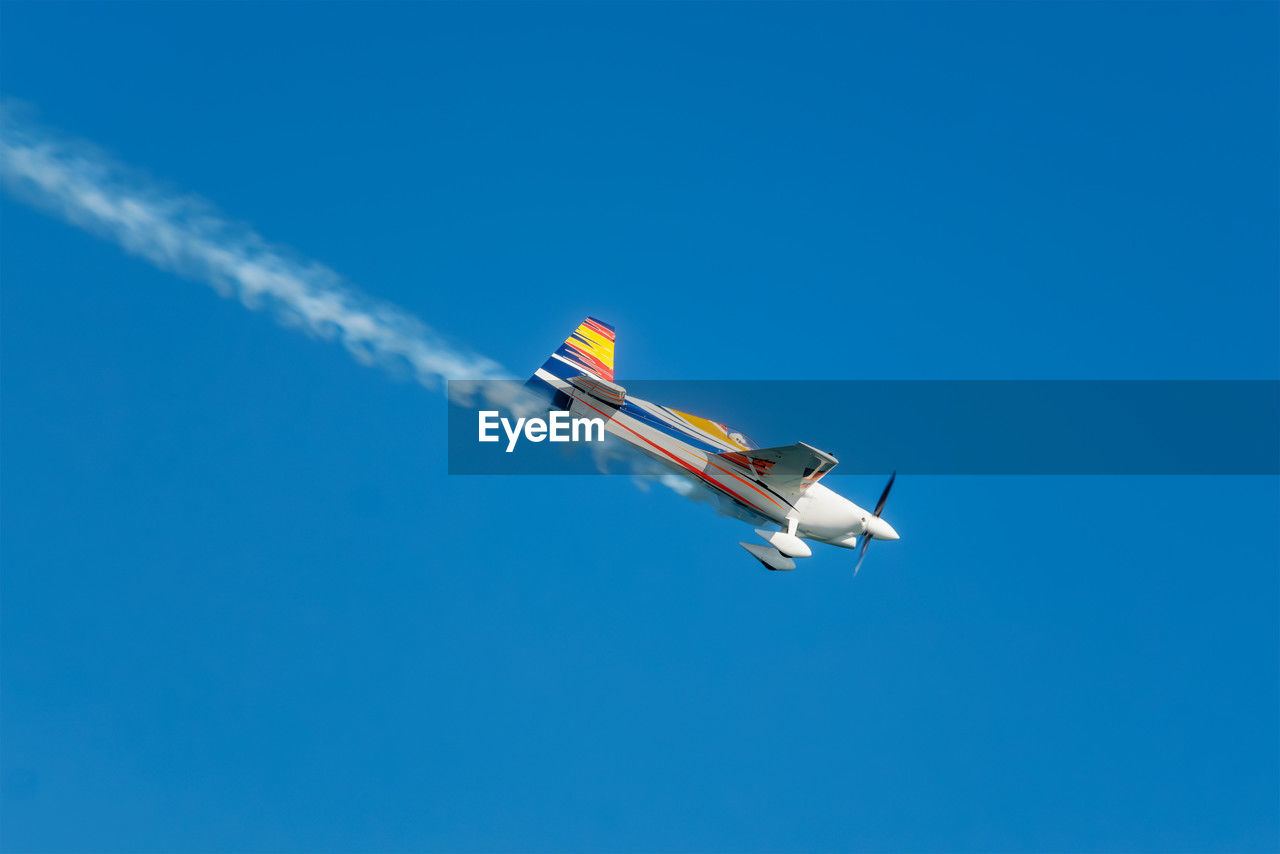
744, 480
681, 462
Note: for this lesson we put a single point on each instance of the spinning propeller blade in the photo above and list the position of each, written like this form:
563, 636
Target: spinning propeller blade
884, 496
862, 552
866, 537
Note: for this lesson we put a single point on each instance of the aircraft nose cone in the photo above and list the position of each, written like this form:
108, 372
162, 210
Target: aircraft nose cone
879, 529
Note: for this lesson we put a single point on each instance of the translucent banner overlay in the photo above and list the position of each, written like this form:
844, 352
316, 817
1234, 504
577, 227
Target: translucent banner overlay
1002, 427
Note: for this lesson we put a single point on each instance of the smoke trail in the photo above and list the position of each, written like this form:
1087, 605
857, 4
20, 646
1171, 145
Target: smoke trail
189, 236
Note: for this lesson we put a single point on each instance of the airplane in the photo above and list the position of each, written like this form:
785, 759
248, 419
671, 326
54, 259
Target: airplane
780, 484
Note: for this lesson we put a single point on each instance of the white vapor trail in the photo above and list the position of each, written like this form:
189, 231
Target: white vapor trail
186, 235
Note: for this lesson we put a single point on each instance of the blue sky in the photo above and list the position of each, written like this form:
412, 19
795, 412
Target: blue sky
245, 609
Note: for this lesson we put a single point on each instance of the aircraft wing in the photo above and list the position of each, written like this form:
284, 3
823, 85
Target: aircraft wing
788, 469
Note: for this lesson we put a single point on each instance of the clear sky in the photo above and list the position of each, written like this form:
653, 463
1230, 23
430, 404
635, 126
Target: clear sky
245, 609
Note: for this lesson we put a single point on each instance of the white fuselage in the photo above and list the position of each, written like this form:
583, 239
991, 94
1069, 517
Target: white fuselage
829, 517
820, 513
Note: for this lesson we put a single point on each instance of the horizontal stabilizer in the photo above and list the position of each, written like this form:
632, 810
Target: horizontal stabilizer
602, 390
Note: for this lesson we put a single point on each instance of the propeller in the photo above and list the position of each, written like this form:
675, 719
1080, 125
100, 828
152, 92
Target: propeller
866, 537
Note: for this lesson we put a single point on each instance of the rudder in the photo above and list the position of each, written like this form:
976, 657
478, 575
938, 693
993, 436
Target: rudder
587, 350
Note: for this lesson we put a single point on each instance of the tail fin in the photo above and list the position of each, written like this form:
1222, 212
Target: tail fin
589, 350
